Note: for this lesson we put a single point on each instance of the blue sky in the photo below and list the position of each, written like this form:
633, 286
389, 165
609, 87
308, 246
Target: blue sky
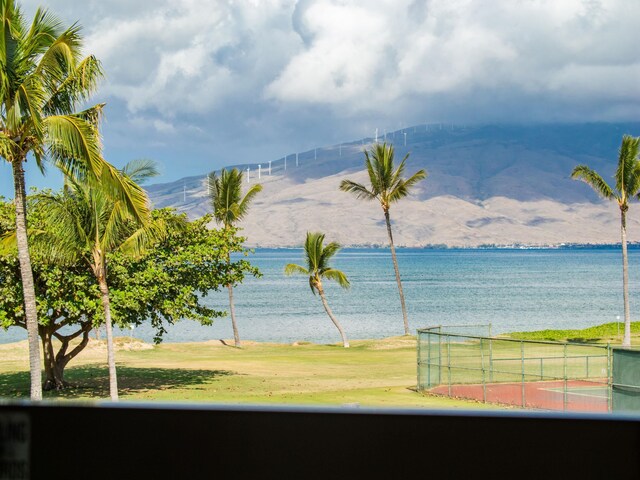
199, 84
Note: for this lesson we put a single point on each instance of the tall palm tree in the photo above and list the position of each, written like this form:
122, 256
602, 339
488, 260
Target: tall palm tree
90, 224
229, 207
43, 79
317, 257
627, 186
387, 186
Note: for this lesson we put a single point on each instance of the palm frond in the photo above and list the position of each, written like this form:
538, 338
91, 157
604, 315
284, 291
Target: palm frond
92, 115
60, 58
75, 88
358, 189
634, 181
30, 97
140, 170
67, 216
627, 160
112, 224
313, 251
337, 276
11, 30
594, 180
156, 231
243, 206
122, 188
75, 143
372, 166
7, 146
328, 252
403, 187
292, 269
225, 194
397, 174
387, 182
8, 243
45, 29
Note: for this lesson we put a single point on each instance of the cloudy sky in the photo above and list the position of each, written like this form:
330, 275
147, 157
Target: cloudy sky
199, 84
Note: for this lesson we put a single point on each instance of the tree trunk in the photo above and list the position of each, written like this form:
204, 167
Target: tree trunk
54, 365
29, 293
54, 371
113, 379
232, 311
232, 308
397, 270
626, 340
345, 342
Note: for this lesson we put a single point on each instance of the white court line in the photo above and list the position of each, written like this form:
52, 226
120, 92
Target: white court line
569, 392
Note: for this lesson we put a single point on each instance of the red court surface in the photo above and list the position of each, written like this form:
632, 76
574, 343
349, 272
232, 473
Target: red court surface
581, 396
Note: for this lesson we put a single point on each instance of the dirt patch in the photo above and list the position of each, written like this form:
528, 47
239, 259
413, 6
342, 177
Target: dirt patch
126, 344
393, 343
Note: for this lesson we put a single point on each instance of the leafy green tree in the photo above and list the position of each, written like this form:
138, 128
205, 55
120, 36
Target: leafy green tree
43, 78
387, 186
86, 223
229, 207
627, 178
317, 257
168, 282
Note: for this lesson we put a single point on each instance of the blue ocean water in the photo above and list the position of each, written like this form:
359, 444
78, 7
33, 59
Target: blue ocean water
513, 289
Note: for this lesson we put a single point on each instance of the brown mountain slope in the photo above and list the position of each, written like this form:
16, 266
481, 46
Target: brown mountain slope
486, 185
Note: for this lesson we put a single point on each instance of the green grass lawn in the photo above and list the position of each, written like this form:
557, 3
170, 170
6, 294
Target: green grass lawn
605, 333
372, 373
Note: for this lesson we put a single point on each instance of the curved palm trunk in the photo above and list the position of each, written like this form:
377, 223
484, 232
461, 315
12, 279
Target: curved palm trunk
397, 270
345, 342
232, 308
28, 287
232, 311
626, 340
113, 379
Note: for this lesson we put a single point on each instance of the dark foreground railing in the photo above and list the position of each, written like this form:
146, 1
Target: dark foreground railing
132, 441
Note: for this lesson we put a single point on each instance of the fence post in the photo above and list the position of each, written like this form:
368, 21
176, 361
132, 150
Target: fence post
419, 365
524, 402
439, 355
490, 360
484, 383
449, 361
565, 377
609, 379
587, 357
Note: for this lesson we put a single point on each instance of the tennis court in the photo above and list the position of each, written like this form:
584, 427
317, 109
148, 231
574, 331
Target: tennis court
468, 362
572, 395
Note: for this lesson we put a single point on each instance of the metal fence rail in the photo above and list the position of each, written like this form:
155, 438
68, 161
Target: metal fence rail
467, 362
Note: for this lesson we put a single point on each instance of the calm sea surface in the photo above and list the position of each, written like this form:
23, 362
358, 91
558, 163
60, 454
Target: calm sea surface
514, 290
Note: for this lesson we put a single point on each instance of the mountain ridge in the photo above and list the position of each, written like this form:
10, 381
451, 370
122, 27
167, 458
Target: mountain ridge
500, 185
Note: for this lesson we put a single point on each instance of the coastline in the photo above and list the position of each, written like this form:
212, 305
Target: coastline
513, 246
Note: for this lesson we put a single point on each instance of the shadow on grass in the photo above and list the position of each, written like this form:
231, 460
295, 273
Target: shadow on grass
583, 340
93, 381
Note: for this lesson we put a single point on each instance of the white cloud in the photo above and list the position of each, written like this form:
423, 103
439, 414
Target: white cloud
247, 78
382, 51
194, 57
189, 56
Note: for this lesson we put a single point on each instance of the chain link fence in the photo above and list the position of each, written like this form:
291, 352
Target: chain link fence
467, 362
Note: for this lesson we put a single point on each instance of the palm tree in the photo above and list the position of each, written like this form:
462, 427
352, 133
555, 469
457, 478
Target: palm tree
229, 207
90, 224
43, 79
317, 259
627, 186
387, 186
